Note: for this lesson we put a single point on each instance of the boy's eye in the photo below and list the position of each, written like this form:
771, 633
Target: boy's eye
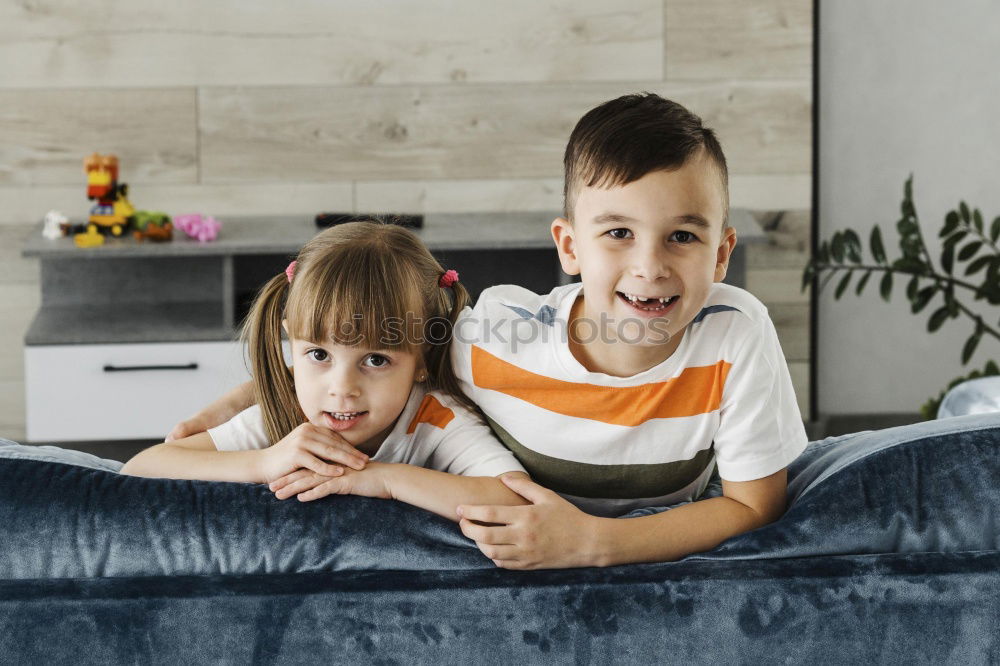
376, 361
318, 355
684, 237
619, 234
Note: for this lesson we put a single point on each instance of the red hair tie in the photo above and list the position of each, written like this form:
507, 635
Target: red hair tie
449, 278
290, 271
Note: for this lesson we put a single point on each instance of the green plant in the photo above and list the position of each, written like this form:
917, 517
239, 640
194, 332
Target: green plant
979, 254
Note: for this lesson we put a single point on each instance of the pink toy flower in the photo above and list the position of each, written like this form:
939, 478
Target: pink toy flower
202, 229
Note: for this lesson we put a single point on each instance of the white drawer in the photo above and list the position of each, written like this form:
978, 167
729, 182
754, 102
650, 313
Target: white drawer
127, 391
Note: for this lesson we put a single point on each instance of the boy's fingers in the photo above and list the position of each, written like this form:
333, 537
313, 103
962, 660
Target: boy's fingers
322, 490
498, 552
283, 481
484, 513
299, 486
489, 536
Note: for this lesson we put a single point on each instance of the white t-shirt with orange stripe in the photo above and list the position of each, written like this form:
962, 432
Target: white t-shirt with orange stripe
433, 431
613, 444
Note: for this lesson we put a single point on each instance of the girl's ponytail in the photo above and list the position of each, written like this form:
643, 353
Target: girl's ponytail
439, 358
273, 383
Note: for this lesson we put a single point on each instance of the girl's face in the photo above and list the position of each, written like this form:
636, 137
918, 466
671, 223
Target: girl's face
356, 391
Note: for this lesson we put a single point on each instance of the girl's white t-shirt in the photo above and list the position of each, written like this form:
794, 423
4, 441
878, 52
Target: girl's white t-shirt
433, 431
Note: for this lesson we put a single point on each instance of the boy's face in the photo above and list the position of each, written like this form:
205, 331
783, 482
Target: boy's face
649, 251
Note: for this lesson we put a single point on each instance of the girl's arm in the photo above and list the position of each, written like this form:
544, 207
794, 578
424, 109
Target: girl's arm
307, 447
196, 457
217, 413
429, 489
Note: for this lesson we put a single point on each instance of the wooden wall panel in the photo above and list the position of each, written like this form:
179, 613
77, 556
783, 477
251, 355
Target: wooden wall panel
404, 132
738, 39
303, 42
45, 134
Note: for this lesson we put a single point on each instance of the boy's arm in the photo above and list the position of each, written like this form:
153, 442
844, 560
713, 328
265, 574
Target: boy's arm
428, 489
196, 457
217, 413
552, 533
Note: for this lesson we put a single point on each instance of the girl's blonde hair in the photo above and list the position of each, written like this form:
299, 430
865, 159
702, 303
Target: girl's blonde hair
362, 283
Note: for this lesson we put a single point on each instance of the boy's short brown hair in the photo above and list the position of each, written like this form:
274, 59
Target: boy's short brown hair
622, 140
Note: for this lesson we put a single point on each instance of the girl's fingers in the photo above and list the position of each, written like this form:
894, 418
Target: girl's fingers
340, 453
303, 484
319, 466
283, 481
329, 487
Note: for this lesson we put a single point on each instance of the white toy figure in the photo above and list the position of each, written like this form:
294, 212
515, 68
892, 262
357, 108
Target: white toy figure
53, 228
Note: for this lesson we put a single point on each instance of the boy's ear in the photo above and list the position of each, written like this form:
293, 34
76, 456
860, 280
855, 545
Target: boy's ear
724, 252
562, 234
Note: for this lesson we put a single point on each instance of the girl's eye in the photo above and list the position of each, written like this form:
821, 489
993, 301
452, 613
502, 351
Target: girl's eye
684, 237
619, 234
319, 355
376, 361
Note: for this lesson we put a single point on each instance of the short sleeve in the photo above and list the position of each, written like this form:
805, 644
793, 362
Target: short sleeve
468, 447
760, 427
243, 432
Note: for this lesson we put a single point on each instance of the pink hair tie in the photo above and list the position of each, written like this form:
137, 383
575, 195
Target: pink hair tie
449, 278
290, 271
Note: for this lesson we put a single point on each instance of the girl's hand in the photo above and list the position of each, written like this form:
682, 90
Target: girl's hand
309, 485
312, 448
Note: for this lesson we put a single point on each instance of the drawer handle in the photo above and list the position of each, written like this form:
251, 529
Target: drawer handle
130, 368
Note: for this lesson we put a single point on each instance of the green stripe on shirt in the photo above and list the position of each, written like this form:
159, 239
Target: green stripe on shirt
605, 481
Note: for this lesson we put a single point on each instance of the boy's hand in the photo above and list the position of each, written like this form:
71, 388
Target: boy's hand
549, 533
309, 485
313, 448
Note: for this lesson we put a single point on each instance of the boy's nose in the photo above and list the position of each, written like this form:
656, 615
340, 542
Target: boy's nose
650, 264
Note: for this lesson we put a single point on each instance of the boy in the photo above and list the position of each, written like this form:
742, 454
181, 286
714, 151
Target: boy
625, 390
661, 371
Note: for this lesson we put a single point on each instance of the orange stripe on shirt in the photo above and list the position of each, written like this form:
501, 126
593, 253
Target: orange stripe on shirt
695, 391
433, 412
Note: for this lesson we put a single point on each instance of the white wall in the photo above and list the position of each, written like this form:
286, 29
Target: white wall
905, 86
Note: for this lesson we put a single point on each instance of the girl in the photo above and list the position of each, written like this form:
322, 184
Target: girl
370, 401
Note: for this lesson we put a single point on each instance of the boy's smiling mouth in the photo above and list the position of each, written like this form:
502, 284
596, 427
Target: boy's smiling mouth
647, 305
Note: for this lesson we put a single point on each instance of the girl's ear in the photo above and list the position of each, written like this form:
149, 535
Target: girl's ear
562, 234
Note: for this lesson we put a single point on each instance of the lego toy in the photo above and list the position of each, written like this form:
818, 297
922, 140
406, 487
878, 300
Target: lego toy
90, 238
55, 225
152, 225
203, 229
112, 213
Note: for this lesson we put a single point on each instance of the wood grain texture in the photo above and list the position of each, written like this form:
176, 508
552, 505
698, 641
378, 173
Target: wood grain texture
458, 196
738, 39
407, 132
777, 285
45, 134
303, 42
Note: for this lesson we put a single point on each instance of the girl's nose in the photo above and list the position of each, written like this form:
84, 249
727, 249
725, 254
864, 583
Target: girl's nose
344, 383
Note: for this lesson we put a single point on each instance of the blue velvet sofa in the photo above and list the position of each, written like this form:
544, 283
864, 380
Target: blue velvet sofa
889, 553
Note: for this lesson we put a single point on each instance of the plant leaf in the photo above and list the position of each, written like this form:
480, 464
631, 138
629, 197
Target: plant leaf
970, 347
908, 188
911, 288
938, 318
842, 286
950, 224
852, 246
969, 250
977, 219
979, 264
808, 274
824, 252
995, 230
837, 247
948, 258
862, 282
955, 238
878, 250
885, 287
922, 299
964, 208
